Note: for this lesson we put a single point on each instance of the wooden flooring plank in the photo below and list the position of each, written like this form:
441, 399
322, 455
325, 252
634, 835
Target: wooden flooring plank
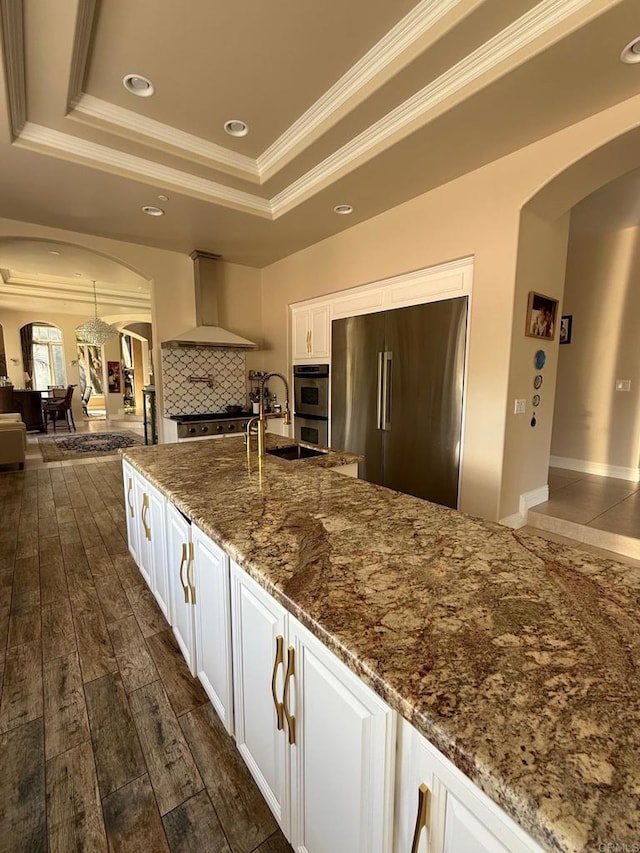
277, 843
99, 561
24, 625
132, 820
68, 533
26, 582
6, 585
65, 714
185, 692
94, 645
113, 733
172, 770
65, 514
58, 633
5, 613
23, 823
134, 661
22, 688
113, 599
47, 526
243, 813
146, 610
194, 827
74, 811
53, 579
128, 572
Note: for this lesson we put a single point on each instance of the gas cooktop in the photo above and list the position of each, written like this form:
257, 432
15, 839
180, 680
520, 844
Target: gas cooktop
209, 416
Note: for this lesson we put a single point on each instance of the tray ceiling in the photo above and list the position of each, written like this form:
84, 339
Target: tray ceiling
368, 104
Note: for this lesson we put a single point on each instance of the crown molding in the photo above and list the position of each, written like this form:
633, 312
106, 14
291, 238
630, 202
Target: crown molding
73, 286
46, 141
11, 22
87, 10
126, 123
41, 290
354, 84
415, 110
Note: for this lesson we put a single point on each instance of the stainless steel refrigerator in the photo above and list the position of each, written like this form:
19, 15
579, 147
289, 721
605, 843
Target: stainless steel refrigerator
396, 396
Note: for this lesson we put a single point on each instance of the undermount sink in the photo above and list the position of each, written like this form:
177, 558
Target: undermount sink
295, 451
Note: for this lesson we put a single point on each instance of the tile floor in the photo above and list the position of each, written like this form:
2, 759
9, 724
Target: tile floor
598, 511
106, 741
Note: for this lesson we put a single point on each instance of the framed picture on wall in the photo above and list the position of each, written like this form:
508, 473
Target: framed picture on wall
541, 316
113, 377
565, 328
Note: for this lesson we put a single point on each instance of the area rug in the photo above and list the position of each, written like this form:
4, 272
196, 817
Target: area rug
56, 448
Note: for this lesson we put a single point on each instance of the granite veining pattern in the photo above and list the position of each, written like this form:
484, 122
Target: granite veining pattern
515, 656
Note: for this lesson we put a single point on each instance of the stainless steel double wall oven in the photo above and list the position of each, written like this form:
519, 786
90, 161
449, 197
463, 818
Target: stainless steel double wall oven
311, 401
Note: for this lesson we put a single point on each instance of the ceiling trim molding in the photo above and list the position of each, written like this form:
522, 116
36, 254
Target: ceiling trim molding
130, 125
11, 21
46, 141
415, 110
75, 286
82, 36
323, 113
40, 291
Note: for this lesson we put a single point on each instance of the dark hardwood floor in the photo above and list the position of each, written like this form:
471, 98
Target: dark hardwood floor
106, 741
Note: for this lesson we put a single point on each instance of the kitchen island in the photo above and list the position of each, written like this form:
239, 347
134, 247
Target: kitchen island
517, 658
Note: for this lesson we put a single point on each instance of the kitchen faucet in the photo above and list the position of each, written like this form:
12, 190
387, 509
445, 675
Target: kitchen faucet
261, 418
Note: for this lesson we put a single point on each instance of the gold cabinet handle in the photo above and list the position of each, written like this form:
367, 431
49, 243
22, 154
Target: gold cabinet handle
278, 660
309, 341
185, 588
291, 670
190, 574
422, 820
145, 505
131, 510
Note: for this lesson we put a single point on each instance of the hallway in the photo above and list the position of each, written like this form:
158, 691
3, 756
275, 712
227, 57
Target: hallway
598, 511
106, 741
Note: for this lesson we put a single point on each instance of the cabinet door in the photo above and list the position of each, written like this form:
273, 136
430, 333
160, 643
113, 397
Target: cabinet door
320, 329
301, 333
213, 624
130, 509
141, 502
444, 809
259, 633
158, 549
179, 554
343, 758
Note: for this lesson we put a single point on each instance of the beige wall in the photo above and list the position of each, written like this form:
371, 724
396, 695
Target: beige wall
478, 214
593, 422
542, 253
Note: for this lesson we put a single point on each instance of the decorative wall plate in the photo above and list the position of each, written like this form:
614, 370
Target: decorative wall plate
537, 382
540, 359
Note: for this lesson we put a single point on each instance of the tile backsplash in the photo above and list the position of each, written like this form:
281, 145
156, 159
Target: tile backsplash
225, 367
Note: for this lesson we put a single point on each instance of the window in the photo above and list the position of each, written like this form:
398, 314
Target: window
48, 357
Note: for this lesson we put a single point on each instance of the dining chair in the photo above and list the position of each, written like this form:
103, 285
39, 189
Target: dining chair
59, 407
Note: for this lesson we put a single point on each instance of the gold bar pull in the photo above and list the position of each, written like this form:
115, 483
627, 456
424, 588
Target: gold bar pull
291, 670
185, 588
145, 505
192, 586
131, 510
422, 820
278, 660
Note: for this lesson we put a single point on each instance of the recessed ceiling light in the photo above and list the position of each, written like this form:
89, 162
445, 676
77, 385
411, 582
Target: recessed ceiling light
138, 85
631, 53
235, 127
52, 252
343, 209
162, 197
150, 210
79, 274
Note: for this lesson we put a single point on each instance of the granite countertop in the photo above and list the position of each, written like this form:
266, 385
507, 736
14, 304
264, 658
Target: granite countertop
516, 657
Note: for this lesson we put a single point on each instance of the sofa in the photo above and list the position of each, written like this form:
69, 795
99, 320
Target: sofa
13, 439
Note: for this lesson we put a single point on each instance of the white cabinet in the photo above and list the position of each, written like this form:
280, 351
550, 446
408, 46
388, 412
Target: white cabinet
311, 332
439, 810
131, 513
180, 558
319, 743
343, 758
213, 624
259, 648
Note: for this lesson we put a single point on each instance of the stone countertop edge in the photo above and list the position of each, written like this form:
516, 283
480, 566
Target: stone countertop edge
515, 656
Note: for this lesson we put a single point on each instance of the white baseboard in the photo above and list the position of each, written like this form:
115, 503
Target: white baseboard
527, 500
600, 468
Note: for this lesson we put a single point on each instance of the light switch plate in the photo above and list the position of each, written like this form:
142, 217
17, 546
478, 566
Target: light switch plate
520, 407
623, 385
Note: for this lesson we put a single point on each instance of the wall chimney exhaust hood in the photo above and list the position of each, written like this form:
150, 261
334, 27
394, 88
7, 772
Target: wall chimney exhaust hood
206, 273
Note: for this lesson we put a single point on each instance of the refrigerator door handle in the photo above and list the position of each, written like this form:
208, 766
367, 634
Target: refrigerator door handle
387, 376
379, 403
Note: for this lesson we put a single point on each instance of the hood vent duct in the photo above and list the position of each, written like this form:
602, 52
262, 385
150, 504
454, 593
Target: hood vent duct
207, 332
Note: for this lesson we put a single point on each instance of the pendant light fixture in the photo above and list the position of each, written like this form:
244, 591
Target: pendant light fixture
95, 331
